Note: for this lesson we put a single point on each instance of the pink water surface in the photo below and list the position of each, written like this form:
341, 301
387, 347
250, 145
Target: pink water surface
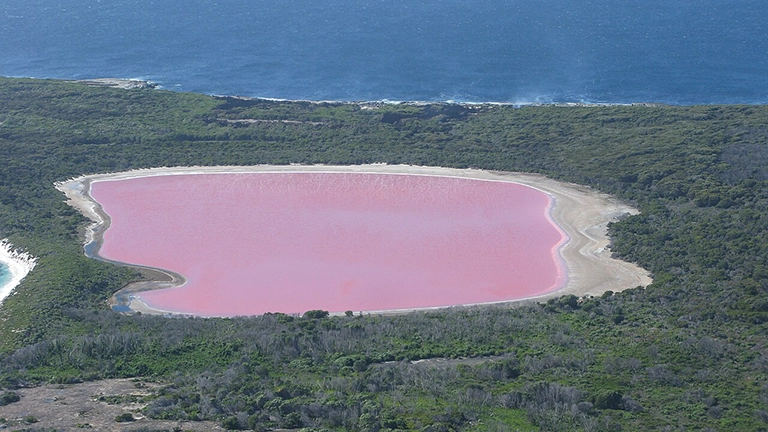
291, 242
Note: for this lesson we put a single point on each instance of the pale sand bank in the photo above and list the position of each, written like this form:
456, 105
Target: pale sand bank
18, 263
580, 212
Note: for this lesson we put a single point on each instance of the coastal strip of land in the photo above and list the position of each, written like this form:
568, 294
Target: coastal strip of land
19, 265
582, 213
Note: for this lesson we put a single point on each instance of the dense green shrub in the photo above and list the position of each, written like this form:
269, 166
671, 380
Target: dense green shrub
125, 417
9, 398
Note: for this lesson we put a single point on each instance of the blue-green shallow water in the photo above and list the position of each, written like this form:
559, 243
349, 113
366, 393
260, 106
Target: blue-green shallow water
5, 275
518, 51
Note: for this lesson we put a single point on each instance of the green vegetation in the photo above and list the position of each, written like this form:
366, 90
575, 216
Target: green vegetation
124, 418
689, 352
9, 398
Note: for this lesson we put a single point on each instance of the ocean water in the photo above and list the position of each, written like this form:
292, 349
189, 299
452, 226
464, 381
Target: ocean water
517, 51
5, 275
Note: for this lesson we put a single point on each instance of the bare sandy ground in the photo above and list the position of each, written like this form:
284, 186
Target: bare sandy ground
91, 406
582, 213
121, 83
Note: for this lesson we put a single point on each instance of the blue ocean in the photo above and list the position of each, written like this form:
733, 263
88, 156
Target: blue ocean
515, 51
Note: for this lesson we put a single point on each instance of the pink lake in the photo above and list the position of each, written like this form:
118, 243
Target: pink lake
291, 242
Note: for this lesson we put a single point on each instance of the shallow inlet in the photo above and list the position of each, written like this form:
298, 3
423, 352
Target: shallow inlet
14, 266
250, 243
5, 277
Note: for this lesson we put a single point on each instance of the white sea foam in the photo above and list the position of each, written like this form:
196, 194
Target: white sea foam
18, 263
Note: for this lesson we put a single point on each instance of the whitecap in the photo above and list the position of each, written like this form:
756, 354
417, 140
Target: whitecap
18, 263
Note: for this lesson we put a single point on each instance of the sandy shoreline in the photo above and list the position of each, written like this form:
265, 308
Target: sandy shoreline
18, 263
580, 212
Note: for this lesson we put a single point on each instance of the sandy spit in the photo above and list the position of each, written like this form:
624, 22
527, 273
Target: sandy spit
582, 213
19, 264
